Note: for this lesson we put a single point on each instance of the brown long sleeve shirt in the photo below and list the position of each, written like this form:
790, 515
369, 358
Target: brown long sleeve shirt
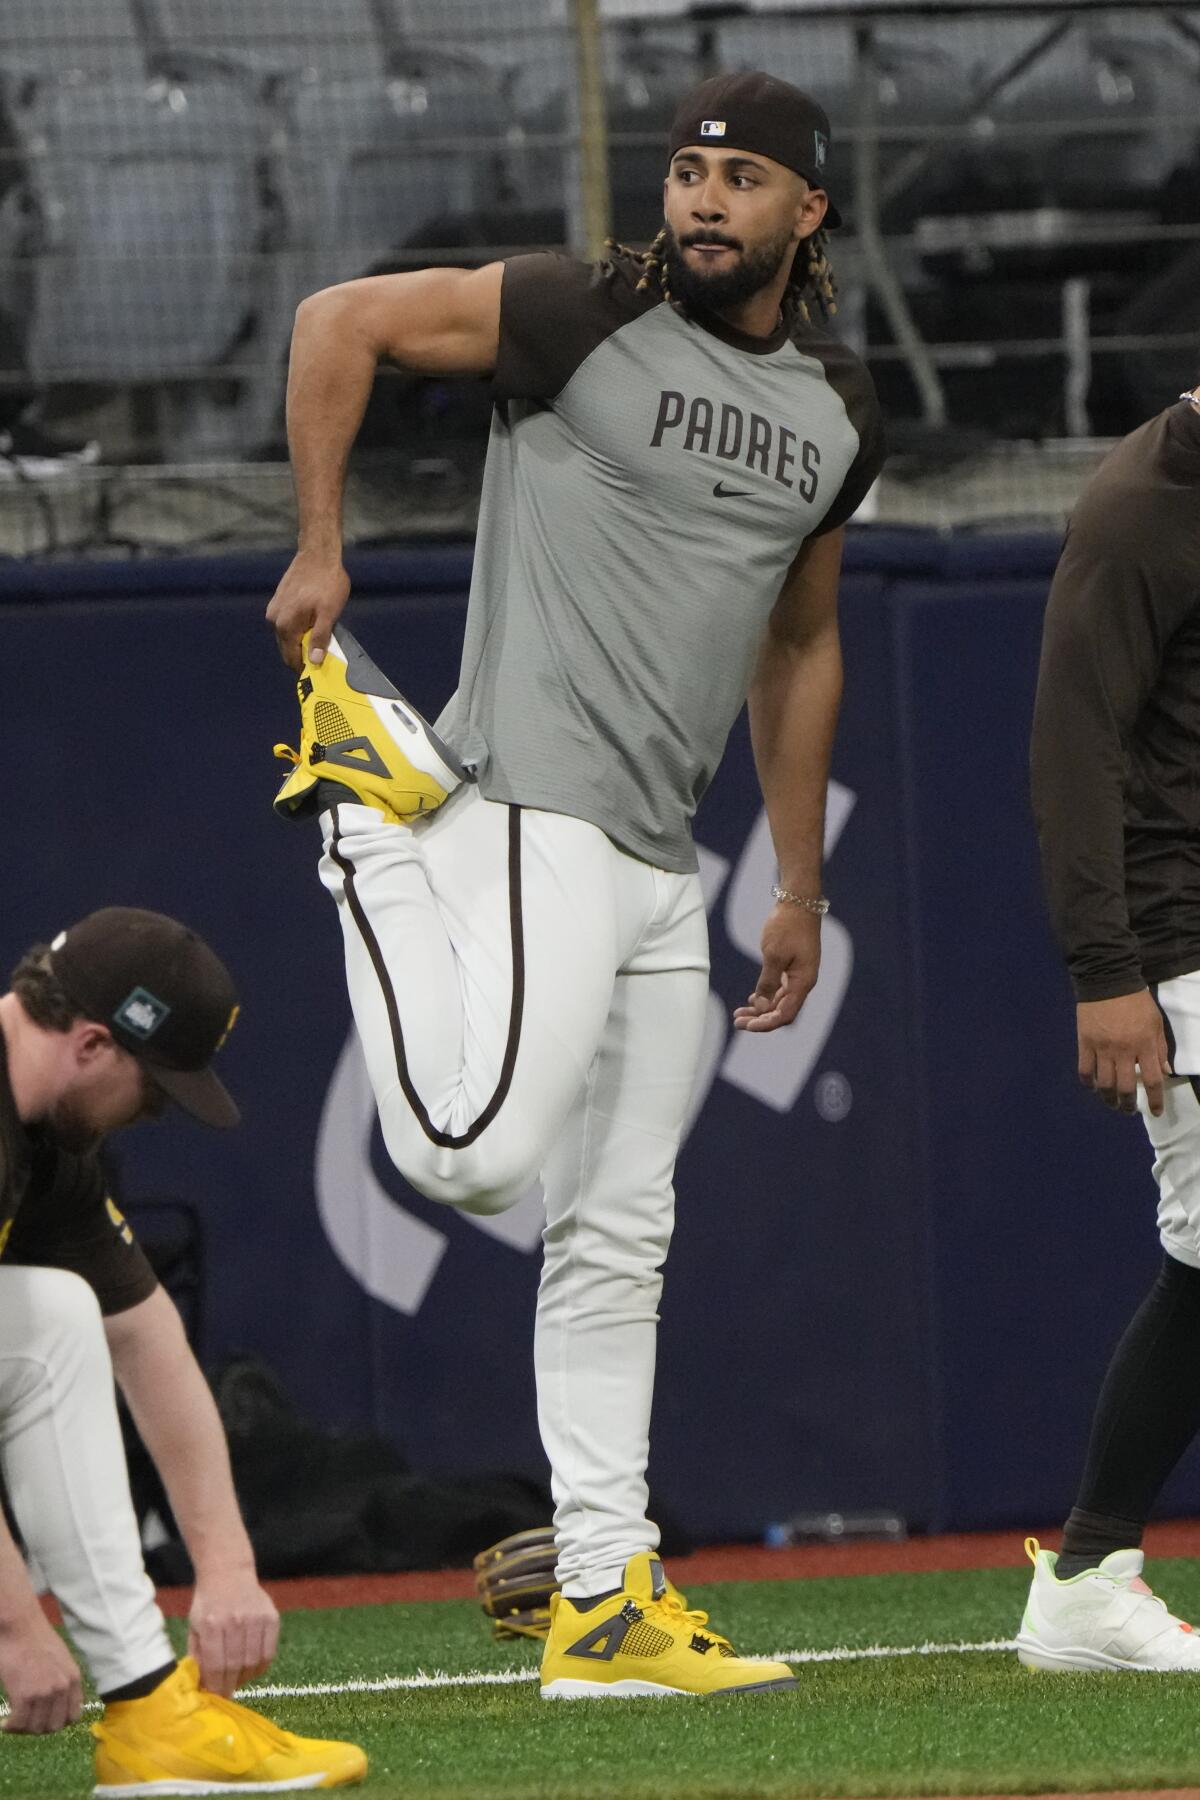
1116, 731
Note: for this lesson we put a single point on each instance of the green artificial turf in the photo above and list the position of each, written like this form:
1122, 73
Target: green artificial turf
961, 1723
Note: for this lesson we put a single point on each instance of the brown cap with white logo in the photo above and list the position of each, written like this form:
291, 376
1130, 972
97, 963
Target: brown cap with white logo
165, 996
757, 112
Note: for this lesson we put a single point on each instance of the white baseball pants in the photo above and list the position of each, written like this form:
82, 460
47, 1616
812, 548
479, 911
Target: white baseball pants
530, 1001
1175, 1135
64, 1467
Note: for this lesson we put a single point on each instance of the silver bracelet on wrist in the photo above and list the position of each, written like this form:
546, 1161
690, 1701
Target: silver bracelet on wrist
820, 906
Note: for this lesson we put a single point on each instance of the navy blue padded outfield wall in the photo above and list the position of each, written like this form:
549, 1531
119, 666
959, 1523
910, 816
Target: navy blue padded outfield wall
906, 1239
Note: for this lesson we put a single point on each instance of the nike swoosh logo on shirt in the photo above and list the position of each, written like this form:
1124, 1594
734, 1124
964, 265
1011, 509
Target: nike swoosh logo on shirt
724, 493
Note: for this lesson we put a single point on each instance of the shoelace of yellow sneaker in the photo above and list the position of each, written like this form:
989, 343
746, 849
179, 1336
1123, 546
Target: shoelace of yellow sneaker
285, 753
672, 1612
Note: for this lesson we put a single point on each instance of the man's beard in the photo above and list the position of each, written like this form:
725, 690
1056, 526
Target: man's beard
72, 1129
723, 288
80, 1131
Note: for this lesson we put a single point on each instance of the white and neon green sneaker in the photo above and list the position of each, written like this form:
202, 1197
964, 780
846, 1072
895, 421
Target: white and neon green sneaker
1104, 1618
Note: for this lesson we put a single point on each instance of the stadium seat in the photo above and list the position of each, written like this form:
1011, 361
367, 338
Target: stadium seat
639, 109
60, 39
1124, 108
816, 54
921, 86
366, 163
525, 42
147, 208
308, 38
358, 169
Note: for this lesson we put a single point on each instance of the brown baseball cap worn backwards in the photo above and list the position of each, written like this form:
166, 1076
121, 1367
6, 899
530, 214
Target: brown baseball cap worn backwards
756, 112
164, 995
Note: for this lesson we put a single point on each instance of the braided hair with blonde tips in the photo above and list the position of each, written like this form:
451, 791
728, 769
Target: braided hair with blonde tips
811, 284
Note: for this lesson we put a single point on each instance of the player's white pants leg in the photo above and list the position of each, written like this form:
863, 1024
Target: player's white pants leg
64, 1467
1175, 1136
594, 1087
481, 952
610, 1207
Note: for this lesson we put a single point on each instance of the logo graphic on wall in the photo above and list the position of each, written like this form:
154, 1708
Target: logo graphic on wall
394, 1255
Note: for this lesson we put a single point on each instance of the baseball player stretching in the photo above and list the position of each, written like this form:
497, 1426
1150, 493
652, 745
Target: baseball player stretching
674, 450
1118, 806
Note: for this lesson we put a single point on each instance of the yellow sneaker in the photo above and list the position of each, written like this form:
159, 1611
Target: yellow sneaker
183, 1740
645, 1640
359, 735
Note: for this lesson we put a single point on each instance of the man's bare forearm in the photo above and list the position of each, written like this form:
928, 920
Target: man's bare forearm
38, 1674
793, 707
178, 1421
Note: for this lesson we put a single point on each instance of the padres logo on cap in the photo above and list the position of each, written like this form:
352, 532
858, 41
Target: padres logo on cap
712, 128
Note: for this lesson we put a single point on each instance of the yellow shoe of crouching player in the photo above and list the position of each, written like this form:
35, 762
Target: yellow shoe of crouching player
183, 1740
362, 742
645, 1640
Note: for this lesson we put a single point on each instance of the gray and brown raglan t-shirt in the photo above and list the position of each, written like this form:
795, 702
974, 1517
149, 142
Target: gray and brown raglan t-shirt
649, 480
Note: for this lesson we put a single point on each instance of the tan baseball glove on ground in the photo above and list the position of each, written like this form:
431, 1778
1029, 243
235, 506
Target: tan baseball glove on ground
514, 1580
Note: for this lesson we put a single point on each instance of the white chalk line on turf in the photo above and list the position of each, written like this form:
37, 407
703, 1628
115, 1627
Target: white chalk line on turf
437, 1678
507, 1677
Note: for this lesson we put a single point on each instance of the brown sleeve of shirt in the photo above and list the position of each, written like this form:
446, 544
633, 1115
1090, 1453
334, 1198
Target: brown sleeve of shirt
554, 311
1116, 600
849, 376
67, 1221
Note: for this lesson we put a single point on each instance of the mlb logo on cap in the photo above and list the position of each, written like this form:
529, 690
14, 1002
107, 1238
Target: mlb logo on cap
820, 148
712, 128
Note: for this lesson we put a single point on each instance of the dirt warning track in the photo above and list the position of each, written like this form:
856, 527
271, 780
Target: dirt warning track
731, 1562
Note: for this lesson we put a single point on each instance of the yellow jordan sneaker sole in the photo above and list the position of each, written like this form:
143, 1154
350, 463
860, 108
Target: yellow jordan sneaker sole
359, 733
181, 1739
645, 1641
